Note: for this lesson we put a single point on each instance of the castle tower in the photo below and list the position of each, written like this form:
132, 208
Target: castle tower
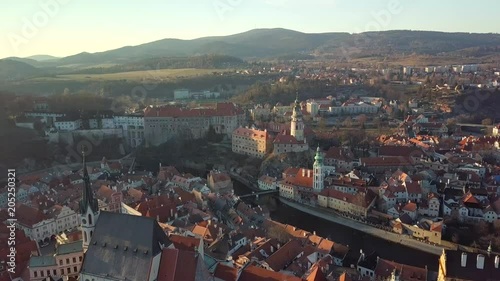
297, 125
89, 208
318, 171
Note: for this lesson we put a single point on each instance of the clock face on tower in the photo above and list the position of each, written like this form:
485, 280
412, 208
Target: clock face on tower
84, 221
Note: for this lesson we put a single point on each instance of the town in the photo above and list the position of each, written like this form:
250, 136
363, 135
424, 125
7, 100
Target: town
418, 186
269, 140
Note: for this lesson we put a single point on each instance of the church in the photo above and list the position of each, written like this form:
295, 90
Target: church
118, 246
294, 139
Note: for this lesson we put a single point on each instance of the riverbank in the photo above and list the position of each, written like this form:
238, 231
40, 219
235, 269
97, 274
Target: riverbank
380, 233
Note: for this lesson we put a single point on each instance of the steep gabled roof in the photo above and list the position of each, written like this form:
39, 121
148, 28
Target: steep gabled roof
127, 243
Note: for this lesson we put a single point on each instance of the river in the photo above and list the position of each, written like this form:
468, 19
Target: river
356, 240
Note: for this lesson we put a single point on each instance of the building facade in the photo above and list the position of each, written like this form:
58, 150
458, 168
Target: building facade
164, 123
251, 142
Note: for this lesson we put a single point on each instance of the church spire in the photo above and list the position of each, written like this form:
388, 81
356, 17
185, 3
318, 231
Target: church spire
88, 200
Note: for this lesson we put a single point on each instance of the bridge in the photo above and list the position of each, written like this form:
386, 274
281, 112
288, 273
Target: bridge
257, 194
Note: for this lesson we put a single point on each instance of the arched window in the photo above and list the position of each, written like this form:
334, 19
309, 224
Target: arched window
85, 236
90, 219
91, 233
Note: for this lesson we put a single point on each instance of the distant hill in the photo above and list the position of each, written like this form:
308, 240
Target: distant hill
31, 62
277, 44
274, 43
42, 57
202, 62
11, 70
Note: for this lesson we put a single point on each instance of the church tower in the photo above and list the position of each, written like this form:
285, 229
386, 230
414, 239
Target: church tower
89, 208
318, 171
297, 125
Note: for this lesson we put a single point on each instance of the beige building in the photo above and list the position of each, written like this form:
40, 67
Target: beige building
66, 262
252, 142
219, 181
357, 204
163, 123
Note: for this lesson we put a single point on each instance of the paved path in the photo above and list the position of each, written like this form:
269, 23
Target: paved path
390, 236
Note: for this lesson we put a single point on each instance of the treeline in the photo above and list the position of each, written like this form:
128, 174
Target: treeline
283, 92
203, 61
80, 101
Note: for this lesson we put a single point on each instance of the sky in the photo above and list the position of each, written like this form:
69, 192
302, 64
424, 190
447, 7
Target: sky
67, 27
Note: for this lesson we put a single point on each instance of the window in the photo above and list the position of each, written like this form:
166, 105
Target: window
74, 260
60, 262
67, 261
35, 273
75, 269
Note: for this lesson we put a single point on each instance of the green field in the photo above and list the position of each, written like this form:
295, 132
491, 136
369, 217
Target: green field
145, 75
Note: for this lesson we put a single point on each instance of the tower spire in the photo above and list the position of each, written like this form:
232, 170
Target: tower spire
88, 200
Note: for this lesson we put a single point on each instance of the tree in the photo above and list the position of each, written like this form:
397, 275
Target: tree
322, 124
481, 228
496, 226
487, 121
362, 119
347, 122
279, 233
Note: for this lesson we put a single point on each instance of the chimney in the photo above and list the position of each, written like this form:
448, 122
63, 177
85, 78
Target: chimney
463, 261
497, 261
480, 261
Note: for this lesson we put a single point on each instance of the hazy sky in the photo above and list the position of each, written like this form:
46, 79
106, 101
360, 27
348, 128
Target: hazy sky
67, 27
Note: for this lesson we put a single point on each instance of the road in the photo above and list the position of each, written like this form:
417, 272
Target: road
390, 236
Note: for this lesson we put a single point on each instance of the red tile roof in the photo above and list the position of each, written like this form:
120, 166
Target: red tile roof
252, 133
410, 207
226, 273
220, 109
29, 216
385, 268
176, 265
385, 161
316, 274
284, 255
286, 139
303, 178
254, 273
339, 154
185, 243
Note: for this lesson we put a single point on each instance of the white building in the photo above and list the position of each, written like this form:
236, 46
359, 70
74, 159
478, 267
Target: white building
132, 126
65, 218
181, 94
318, 173
36, 225
46, 117
68, 124
312, 108
267, 183
102, 123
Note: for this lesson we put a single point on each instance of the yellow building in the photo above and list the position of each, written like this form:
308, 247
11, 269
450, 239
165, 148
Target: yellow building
357, 204
252, 142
